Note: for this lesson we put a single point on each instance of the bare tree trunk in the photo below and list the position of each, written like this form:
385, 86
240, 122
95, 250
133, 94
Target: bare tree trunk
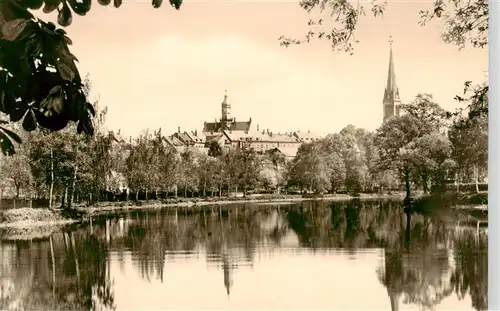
146, 196
476, 177
72, 196
77, 266
65, 197
52, 257
407, 184
51, 192
18, 190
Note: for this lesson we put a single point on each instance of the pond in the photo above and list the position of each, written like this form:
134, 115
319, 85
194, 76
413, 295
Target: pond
307, 255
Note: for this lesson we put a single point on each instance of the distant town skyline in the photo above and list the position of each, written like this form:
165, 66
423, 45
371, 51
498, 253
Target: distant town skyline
169, 69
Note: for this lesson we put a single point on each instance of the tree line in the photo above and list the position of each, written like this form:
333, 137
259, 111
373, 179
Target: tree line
425, 148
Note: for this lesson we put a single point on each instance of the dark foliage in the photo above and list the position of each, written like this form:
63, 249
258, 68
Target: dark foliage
39, 82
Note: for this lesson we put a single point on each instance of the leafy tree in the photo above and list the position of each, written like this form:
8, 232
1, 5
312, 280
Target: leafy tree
470, 147
391, 139
431, 116
250, 167
429, 157
232, 168
333, 147
311, 169
17, 171
214, 149
188, 169
139, 164
209, 174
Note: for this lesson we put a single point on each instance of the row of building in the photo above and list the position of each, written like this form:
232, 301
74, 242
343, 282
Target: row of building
229, 133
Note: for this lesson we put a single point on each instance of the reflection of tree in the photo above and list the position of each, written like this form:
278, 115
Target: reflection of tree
420, 268
417, 267
471, 275
77, 280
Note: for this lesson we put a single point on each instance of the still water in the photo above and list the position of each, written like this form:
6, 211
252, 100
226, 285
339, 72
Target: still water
308, 255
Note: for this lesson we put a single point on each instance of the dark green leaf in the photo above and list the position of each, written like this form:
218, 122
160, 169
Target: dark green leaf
78, 106
54, 102
32, 4
16, 10
7, 146
11, 135
50, 25
64, 17
80, 8
157, 3
85, 126
11, 30
17, 114
61, 31
29, 122
104, 2
176, 4
7, 102
65, 71
91, 109
54, 122
117, 3
68, 40
50, 6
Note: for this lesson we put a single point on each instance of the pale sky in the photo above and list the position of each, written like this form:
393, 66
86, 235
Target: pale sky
165, 68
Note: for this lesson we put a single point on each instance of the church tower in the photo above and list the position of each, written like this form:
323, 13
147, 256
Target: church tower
226, 109
391, 100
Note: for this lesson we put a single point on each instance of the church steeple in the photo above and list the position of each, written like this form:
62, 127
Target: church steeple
226, 108
391, 101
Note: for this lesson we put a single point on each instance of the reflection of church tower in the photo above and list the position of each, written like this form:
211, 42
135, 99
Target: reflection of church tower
391, 102
393, 276
226, 119
394, 297
228, 275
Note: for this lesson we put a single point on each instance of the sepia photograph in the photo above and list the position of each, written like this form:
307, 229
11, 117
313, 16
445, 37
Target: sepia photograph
257, 154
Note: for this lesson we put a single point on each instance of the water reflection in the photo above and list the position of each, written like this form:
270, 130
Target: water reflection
68, 271
311, 254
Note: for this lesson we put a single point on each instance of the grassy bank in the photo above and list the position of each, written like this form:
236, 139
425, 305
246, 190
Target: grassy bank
452, 200
30, 223
31, 217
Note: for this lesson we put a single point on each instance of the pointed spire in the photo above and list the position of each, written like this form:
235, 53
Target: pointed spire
391, 87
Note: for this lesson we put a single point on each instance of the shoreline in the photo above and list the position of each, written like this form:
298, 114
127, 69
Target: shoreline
82, 213
108, 207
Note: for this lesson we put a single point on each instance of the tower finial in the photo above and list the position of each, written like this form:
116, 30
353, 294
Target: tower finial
390, 41
225, 93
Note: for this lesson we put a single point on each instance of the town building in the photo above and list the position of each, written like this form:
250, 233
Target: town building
226, 122
391, 101
231, 134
